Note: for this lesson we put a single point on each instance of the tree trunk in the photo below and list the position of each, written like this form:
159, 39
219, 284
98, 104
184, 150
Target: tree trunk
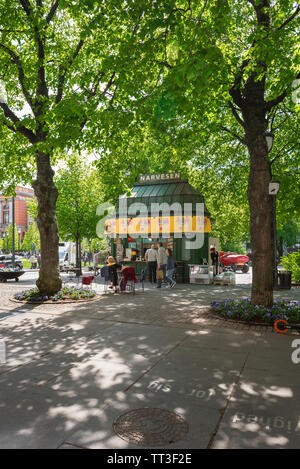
78, 258
261, 221
280, 247
49, 281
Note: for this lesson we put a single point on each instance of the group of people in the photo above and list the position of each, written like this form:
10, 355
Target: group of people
161, 265
110, 272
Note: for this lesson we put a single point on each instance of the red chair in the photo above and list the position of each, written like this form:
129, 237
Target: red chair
128, 280
87, 279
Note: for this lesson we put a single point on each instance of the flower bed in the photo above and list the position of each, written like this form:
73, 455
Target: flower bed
66, 293
245, 311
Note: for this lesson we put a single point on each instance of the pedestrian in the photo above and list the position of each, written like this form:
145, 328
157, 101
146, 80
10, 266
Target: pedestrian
161, 263
170, 268
151, 259
214, 259
32, 260
39, 261
85, 258
113, 273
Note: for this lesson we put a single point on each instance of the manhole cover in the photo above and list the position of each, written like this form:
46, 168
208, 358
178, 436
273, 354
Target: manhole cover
150, 427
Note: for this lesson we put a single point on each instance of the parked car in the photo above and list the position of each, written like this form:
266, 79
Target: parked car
6, 262
234, 261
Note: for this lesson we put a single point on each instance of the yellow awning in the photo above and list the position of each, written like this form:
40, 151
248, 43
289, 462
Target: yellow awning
157, 225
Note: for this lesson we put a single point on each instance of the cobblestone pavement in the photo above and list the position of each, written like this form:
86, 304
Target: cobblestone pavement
72, 369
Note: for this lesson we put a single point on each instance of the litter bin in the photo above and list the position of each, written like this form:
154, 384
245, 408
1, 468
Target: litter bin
179, 273
284, 280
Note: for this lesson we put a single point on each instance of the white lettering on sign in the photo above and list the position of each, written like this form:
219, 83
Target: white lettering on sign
159, 177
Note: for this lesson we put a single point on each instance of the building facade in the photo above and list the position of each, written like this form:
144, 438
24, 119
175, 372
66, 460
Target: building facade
22, 218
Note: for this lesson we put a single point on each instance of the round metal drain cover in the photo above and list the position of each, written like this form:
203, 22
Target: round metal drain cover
150, 427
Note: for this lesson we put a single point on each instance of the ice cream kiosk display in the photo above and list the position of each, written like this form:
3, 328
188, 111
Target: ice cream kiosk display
161, 208
202, 274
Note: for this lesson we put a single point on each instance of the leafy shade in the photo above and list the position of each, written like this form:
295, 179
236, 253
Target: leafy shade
80, 193
32, 237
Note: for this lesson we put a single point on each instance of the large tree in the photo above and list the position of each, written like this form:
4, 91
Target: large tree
80, 193
230, 67
58, 65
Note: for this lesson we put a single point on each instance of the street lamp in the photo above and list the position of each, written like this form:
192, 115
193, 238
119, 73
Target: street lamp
13, 233
19, 235
273, 191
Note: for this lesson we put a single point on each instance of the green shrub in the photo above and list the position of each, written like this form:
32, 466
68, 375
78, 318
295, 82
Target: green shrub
292, 262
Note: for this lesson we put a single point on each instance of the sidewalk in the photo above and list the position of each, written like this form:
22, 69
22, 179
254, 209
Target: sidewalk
72, 371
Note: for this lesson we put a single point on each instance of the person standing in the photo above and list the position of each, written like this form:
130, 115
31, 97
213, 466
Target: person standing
113, 273
170, 268
151, 259
215, 260
161, 263
32, 260
85, 258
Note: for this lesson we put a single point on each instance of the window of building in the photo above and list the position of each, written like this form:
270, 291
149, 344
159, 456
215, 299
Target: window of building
5, 218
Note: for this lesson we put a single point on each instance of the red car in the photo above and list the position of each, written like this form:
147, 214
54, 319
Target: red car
234, 261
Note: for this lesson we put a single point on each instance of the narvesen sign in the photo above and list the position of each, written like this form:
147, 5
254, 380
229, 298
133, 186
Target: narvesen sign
159, 177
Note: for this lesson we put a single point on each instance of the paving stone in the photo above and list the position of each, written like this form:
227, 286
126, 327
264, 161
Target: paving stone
33, 341
38, 418
274, 354
216, 340
245, 426
264, 412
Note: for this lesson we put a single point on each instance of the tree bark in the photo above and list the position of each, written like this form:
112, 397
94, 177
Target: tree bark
49, 281
261, 221
78, 258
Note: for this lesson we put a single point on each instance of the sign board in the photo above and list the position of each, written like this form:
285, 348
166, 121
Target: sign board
159, 177
157, 225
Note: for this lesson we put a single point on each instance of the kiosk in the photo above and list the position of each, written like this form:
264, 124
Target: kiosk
161, 208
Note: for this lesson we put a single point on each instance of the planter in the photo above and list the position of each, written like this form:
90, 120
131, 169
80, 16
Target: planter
4, 276
58, 302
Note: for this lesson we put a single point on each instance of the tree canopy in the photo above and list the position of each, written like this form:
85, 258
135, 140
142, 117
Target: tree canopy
178, 84
80, 193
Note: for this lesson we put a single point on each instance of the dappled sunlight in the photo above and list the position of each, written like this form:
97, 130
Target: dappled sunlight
261, 415
72, 369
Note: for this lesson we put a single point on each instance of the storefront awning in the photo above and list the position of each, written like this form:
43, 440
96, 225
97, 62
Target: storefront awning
157, 225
